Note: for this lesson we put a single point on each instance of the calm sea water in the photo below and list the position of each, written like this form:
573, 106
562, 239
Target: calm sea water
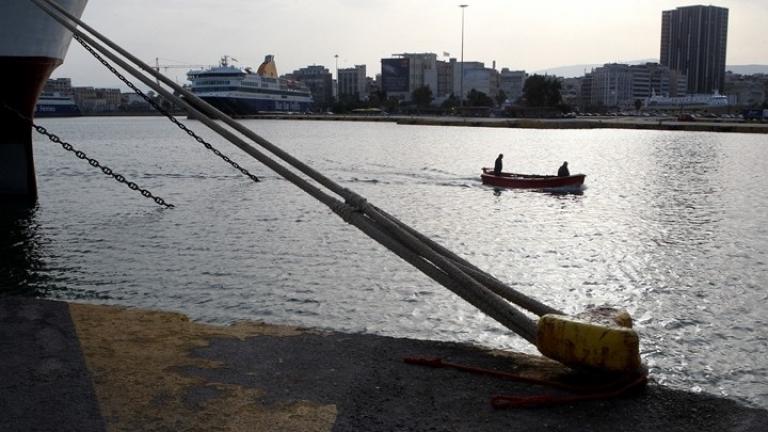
671, 227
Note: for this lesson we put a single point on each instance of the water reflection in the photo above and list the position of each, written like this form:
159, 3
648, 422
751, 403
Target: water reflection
556, 192
684, 191
20, 259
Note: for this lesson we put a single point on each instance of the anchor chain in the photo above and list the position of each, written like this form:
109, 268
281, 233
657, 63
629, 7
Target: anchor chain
163, 111
91, 161
106, 170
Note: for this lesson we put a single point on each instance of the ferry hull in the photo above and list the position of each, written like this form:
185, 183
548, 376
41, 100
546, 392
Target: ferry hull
249, 106
23, 82
49, 110
32, 45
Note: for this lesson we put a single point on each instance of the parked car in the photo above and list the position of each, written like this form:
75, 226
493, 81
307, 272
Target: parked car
686, 117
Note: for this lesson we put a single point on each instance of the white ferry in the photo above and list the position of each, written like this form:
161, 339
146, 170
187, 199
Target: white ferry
689, 101
56, 105
240, 92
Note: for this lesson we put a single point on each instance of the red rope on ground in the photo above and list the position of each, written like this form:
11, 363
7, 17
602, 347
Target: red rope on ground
505, 401
606, 391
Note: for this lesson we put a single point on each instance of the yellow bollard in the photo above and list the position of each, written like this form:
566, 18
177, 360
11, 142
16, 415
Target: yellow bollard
577, 342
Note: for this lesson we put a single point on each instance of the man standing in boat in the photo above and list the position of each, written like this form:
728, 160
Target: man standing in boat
497, 165
563, 171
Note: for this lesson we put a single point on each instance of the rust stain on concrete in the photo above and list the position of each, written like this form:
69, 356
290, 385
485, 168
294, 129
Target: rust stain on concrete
135, 357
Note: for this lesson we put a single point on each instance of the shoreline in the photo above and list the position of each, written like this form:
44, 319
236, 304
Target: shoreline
606, 122
96, 367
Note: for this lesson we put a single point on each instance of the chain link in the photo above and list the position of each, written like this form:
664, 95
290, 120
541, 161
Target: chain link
106, 170
93, 162
163, 111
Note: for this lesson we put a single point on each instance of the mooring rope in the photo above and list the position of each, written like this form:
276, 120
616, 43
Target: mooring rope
349, 196
165, 112
470, 283
599, 388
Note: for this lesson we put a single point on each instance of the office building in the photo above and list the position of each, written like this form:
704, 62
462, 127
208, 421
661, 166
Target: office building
62, 86
476, 77
512, 82
404, 73
320, 83
693, 42
353, 84
611, 85
655, 79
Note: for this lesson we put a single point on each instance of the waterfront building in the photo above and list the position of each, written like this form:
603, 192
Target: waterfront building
353, 84
611, 85
512, 83
374, 88
570, 91
319, 80
62, 86
617, 85
476, 77
94, 100
586, 92
693, 42
444, 79
655, 79
134, 102
747, 90
404, 73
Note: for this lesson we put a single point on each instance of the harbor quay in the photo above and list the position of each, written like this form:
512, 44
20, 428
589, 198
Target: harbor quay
85, 367
607, 122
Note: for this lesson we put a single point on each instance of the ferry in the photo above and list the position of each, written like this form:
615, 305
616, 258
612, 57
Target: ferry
56, 105
689, 101
242, 92
32, 45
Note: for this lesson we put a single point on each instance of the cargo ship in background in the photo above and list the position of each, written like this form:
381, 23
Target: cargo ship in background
32, 45
242, 92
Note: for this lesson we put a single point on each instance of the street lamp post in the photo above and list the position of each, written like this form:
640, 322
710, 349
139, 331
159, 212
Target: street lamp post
336, 56
461, 89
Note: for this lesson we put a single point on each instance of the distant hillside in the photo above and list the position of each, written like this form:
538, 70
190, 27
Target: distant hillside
579, 70
748, 69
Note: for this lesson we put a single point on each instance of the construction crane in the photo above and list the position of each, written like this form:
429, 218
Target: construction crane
174, 66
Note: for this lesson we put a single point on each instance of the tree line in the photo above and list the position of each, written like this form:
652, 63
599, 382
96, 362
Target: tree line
539, 92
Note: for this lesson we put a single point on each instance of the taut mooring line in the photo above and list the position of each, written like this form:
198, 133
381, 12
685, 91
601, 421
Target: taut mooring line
349, 196
470, 283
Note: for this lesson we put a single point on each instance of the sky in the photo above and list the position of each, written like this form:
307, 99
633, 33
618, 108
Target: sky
520, 35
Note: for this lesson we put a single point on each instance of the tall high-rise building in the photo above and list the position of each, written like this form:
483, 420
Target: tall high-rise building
693, 42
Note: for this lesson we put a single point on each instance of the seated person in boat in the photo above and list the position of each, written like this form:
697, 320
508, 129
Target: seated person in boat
497, 165
563, 171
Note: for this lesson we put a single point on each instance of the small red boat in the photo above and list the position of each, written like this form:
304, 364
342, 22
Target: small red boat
532, 181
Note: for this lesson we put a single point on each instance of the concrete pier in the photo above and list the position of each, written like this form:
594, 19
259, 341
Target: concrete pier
606, 122
76, 367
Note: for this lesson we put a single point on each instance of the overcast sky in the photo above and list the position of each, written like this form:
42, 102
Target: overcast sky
528, 35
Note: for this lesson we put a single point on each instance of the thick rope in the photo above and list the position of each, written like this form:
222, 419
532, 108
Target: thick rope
349, 196
382, 227
601, 391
